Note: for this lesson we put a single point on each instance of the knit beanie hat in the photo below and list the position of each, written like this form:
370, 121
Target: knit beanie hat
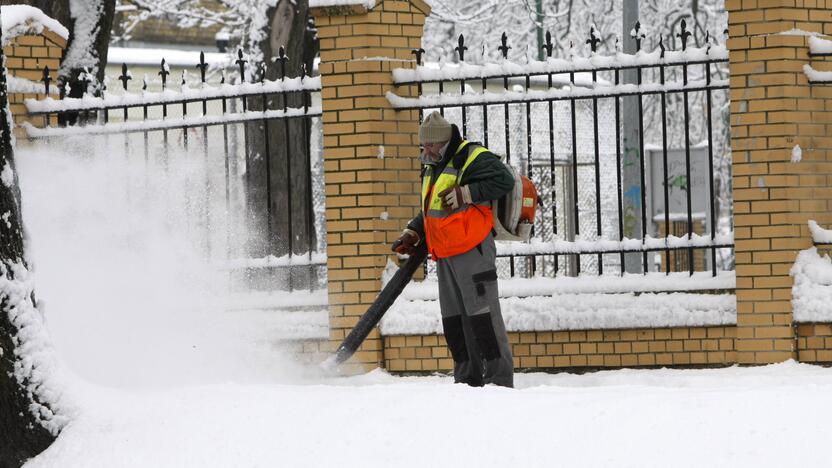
434, 129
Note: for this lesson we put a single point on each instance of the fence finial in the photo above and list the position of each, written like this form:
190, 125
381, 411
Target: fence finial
125, 76
242, 63
707, 43
144, 83
684, 35
46, 79
637, 35
548, 46
262, 72
85, 81
504, 47
460, 49
418, 53
282, 59
164, 72
661, 46
593, 39
202, 66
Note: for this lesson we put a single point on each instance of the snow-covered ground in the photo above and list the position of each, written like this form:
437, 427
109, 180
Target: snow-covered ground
766, 416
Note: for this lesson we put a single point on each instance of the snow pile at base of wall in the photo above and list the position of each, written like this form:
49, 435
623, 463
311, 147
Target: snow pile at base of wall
812, 290
21, 20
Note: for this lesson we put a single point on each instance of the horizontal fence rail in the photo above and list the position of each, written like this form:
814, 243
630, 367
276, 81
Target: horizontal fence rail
629, 151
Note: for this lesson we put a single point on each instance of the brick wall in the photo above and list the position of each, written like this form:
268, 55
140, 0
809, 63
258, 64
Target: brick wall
370, 152
25, 58
772, 109
580, 348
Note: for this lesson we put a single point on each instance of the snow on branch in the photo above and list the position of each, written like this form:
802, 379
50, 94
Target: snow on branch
21, 20
464, 71
155, 125
553, 94
173, 97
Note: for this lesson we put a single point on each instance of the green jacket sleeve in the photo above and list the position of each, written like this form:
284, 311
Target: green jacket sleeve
418, 224
487, 178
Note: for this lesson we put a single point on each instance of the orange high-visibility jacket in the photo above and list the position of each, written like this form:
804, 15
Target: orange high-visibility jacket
450, 233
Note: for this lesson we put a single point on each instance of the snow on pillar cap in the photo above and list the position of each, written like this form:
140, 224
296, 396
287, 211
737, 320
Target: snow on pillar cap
434, 129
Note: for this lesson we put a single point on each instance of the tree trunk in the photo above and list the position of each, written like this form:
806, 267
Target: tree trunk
23, 434
282, 212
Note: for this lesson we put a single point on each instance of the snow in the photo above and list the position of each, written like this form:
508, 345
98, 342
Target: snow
35, 364
812, 289
798, 32
21, 20
153, 125
797, 154
171, 96
7, 175
816, 76
24, 86
553, 94
584, 311
819, 234
173, 57
819, 46
455, 72
369, 4
560, 246
317, 258
736, 416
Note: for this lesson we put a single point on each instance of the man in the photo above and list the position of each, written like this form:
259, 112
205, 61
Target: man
459, 181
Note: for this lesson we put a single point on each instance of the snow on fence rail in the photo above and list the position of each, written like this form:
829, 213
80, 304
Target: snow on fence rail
661, 96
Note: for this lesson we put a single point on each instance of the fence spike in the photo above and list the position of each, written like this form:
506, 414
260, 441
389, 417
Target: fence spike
504, 47
61, 88
202, 66
684, 34
85, 81
125, 76
418, 53
222, 77
242, 63
46, 79
164, 72
637, 35
707, 43
548, 46
460, 49
282, 58
661, 46
593, 39
262, 72
144, 83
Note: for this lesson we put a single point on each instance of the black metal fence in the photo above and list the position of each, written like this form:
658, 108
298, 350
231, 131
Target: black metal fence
250, 178
629, 151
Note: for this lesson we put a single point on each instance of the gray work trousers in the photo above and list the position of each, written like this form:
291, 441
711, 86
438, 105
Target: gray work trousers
471, 317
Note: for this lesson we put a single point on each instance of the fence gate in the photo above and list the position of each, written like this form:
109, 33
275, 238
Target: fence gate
239, 154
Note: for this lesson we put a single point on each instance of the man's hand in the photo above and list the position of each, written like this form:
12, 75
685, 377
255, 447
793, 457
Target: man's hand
406, 243
454, 197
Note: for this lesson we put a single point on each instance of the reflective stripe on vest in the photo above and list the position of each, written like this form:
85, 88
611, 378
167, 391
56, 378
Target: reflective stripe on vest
454, 232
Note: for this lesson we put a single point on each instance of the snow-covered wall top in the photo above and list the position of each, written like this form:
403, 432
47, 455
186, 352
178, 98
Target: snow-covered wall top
819, 234
816, 76
20, 20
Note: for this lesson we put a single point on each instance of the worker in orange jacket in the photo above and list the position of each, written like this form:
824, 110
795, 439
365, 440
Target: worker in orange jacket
460, 179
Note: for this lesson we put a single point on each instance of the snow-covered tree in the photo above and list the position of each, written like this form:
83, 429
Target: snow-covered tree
27, 423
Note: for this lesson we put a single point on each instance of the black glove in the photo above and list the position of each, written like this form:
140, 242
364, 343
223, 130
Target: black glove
406, 243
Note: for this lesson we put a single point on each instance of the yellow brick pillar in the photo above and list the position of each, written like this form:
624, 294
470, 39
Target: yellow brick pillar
26, 56
370, 152
773, 108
